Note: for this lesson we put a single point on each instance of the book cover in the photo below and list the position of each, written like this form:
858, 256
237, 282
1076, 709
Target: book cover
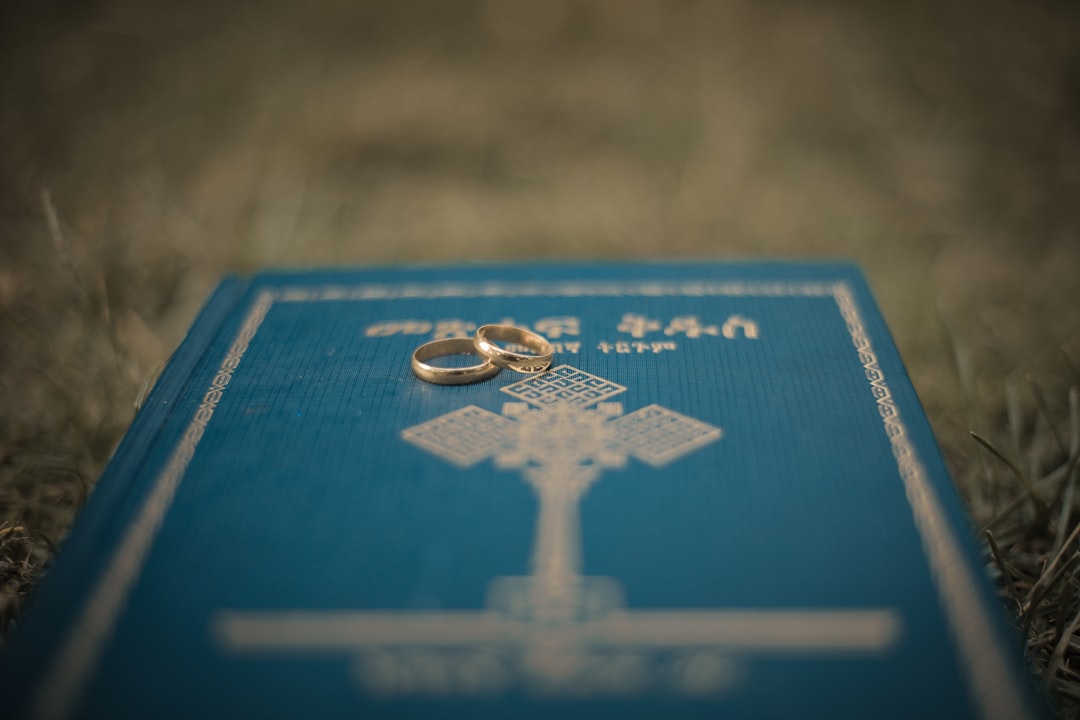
722, 499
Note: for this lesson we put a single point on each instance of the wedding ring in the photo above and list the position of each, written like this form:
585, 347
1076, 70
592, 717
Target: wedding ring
450, 375
485, 345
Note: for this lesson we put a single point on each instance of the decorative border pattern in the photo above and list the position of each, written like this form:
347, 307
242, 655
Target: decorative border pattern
991, 684
988, 675
66, 683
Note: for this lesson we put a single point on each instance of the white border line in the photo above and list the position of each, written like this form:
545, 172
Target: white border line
64, 686
992, 686
991, 683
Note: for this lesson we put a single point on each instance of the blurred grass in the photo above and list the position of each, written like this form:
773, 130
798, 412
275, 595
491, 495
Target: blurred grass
147, 148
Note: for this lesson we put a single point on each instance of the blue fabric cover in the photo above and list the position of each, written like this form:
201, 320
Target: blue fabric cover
724, 500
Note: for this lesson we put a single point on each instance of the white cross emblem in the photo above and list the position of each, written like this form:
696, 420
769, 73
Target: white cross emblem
555, 631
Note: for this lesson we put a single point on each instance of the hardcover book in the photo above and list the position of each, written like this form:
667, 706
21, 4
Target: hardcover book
722, 499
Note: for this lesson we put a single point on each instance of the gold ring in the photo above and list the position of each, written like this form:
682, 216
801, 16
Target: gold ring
485, 345
450, 375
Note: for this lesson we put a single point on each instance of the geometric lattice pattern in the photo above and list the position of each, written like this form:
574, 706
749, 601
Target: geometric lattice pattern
465, 436
657, 436
564, 385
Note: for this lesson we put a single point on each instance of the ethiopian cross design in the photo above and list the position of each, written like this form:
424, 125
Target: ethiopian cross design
556, 632
562, 437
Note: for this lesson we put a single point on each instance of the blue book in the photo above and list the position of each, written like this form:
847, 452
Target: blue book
722, 499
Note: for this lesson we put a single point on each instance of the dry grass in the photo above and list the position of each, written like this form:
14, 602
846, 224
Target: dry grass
146, 150
1026, 502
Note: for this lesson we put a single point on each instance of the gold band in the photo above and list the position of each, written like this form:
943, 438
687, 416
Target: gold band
450, 375
485, 345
